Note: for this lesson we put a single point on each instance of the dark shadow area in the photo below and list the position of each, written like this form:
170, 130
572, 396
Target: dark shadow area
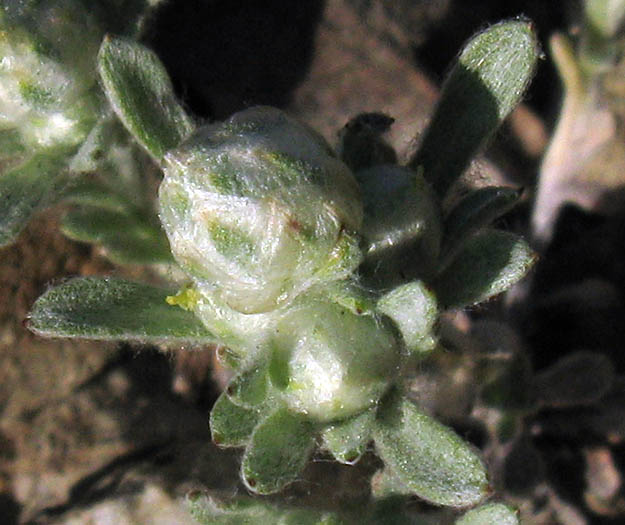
464, 117
224, 56
577, 291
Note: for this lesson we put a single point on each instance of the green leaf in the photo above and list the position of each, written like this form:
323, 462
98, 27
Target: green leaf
141, 93
428, 458
249, 387
490, 263
208, 510
126, 239
402, 225
26, 189
347, 440
114, 309
242, 510
413, 308
231, 425
88, 191
490, 514
278, 451
475, 211
486, 83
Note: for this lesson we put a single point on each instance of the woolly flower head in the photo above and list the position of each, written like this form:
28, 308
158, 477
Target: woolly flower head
258, 209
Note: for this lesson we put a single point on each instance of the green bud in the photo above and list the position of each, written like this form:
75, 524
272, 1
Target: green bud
47, 71
331, 363
257, 209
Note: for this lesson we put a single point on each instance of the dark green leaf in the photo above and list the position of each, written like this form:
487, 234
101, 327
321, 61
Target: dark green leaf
475, 211
126, 239
231, 425
278, 451
402, 225
426, 457
114, 309
91, 192
486, 83
139, 89
490, 263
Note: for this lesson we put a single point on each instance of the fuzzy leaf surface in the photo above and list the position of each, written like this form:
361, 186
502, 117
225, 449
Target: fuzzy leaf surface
490, 263
140, 91
486, 83
126, 238
413, 308
428, 458
278, 451
581, 378
241, 510
490, 514
26, 189
114, 309
347, 440
475, 211
249, 387
231, 425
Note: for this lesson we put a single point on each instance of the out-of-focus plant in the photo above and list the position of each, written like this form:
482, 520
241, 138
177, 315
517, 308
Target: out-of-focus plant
531, 419
321, 276
59, 141
584, 160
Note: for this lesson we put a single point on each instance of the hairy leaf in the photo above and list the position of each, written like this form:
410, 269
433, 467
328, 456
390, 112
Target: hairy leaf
428, 458
114, 309
242, 510
490, 263
126, 238
478, 209
486, 83
347, 440
26, 189
278, 451
231, 425
140, 91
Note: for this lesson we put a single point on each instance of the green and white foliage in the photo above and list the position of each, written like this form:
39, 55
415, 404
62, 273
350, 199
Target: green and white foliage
58, 139
324, 284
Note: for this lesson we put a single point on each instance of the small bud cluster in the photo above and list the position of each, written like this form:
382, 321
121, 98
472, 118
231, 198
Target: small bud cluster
321, 276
